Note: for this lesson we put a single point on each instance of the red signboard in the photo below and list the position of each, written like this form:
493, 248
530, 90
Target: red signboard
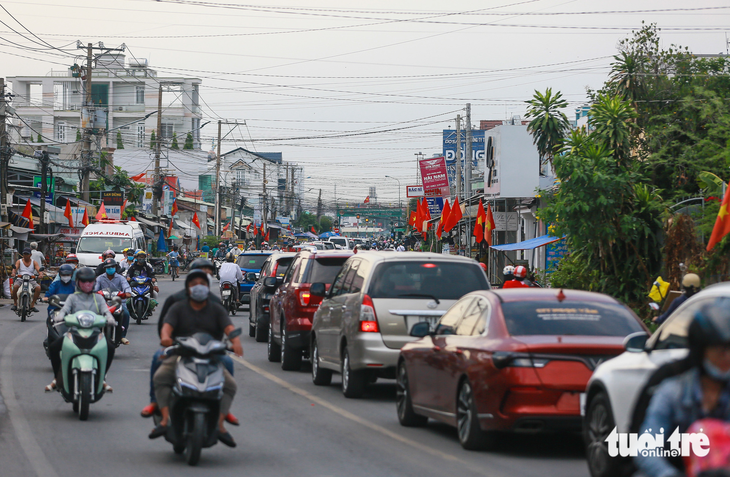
434, 176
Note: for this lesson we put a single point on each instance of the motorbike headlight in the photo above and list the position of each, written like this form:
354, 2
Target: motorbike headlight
86, 320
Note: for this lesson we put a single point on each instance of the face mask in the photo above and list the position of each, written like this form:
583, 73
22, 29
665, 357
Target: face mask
65, 278
714, 372
130, 257
86, 287
111, 271
142, 261
199, 293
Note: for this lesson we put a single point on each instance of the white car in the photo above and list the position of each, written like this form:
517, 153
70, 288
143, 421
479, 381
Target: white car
616, 385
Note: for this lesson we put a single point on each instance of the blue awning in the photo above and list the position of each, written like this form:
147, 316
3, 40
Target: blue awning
527, 244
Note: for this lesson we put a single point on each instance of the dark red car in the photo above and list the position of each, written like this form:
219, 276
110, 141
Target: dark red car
510, 360
292, 306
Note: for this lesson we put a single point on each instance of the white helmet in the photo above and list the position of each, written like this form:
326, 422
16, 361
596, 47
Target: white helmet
508, 270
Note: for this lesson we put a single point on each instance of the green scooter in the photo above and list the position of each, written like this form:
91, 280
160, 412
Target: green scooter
83, 359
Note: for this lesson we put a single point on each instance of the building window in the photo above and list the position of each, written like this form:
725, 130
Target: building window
140, 135
139, 94
167, 130
61, 132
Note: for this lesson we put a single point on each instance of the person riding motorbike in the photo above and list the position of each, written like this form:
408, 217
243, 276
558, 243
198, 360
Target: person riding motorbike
208, 267
128, 259
196, 314
141, 268
113, 281
101, 268
64, 285
26, 266
231, 273
520, 273
701, 392
690, 286
83, 299
174, 258
509, 273
221, 253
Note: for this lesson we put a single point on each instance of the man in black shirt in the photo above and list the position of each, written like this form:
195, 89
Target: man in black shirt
185, 318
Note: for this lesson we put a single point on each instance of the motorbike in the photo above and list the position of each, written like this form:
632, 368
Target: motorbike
25, 297
716, 463
158, 265
196, 396
114, 303
173, 270
54, 332
229, 297
83, 361
217, 262
139, 303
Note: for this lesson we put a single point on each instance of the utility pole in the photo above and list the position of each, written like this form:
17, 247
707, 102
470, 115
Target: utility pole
467, 176
86, 154
458, 155
319, 206
44, 189
4, 153
158, 145
217, 228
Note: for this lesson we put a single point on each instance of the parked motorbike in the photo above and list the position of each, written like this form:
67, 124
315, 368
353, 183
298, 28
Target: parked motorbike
83, 361
114, 303
196, 396
25, 297
54, 332
158, 264
228, 296
139, 303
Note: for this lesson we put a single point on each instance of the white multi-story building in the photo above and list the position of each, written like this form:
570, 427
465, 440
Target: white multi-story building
123, 92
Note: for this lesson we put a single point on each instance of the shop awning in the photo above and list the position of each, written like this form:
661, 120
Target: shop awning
149, 223
527, 244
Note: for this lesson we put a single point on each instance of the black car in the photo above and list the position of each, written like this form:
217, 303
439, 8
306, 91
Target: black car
274, 267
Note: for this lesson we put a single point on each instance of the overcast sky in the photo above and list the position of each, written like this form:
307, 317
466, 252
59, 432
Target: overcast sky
300, 72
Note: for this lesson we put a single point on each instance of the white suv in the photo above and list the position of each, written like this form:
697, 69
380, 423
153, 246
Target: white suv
616, 385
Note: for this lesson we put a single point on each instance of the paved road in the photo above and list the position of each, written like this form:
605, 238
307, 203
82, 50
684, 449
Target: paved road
289, 426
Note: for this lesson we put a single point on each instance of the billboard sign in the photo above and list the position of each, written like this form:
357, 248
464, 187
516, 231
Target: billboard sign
434, 176
113, 201
50, 188
414, 191
449, 150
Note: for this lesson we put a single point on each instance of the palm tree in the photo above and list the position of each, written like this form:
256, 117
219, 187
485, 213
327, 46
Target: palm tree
626, 76
612, 120
549, 125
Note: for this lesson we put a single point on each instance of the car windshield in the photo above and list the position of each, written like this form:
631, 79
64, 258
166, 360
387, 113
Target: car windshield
580, 318
252, 262
102, 244
282, 265
338, 241
439, 279
323, 270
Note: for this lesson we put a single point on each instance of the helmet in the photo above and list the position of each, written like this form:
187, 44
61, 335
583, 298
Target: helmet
710, 326
110, 262
230, 257
691, 283
520, 272
124, 252
109, 252
195, 274
85, 274
72, 258
483, 265
140, 254
200, 263
508, 270
65, 269
34, 245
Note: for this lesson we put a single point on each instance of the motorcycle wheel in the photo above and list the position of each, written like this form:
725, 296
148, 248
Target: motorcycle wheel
24, 311
196, 428
84, 395
178, 448
139, 311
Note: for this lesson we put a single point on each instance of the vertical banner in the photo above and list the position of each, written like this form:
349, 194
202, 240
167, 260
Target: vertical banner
435, 180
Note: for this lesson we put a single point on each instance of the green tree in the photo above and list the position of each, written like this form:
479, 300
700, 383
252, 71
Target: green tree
40, 138
549, 125
120, 144
174, 144
78, 135
325, 224
188, 141
612, 119
153, 140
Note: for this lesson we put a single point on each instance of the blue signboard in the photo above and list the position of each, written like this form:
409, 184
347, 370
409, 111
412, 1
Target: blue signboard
449, 144
435, 205
554, 252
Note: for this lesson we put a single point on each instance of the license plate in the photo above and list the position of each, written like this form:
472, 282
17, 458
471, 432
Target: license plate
226, 292
582, 404
431, 320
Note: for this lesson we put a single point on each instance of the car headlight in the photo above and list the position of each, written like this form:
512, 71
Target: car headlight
86, 320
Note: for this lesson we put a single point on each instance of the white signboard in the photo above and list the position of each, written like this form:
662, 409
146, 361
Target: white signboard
414, 191
147, 201
505, 221
113, 211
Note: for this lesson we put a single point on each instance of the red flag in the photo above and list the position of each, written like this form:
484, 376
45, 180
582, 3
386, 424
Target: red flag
85, 220
124, 206
138, 177
267, 235
454, 216
133, 219
418, 225
489, 225
28, 214
68, 214
169, 231
444, 217
261, 230
412, 219
248, 228
722, 223
426, 215
226, 226
174, 207
195, 220
255, 230
479, 225
367, 200
313, 231
102, 212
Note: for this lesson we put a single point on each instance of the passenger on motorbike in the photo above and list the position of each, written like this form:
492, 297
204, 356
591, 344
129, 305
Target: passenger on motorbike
220, 254
690, 286
231, 273
26, 266
128, 259
113, 281
101, 268
141, 268
699, 393
63, 286
196, 314
174, 259
208, 267
520, 274
83, 299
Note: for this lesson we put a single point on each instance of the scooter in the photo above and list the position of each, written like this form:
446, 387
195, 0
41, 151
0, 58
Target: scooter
54, 332
114, 303
83, 361
229, 297
25, 296
196, 396
139, 302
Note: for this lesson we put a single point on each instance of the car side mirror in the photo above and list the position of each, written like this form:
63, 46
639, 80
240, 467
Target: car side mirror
636, 342
251, 277
234, 334
318, 289
270, 282
420, 329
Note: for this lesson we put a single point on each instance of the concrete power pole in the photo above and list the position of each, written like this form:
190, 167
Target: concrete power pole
468, 153
86, 154
319, 206
458, 155
217, 228
4, 153
158, 144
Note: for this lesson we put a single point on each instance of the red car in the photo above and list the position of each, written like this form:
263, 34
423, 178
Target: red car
510, 360
292, 306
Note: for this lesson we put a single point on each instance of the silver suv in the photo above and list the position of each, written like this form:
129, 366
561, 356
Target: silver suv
368, 311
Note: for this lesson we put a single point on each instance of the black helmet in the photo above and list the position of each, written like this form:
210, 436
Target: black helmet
66, 269
195, 274
710, 326
85, 274
110, 262
200, 263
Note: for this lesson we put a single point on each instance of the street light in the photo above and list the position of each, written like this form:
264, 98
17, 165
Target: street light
390, 177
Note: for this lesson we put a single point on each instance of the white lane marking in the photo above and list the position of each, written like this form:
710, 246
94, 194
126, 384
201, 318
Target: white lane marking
363, 422
32, 450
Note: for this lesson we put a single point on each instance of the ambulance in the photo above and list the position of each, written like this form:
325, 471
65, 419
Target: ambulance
115, 235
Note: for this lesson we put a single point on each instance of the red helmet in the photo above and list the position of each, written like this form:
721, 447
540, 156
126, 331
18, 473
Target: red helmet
72, 258
483, 265
520, 271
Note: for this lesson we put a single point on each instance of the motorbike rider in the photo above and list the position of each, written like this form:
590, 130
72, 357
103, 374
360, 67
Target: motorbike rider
63, 286
220, 254
174, 257
83, 299
196, 314
701, 392
141, 268
26, 266
520, 273
690, 286
113, 281
101, 268
208, 267
128, 259
231, 273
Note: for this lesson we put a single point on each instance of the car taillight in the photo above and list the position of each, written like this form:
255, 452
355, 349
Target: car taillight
266, 308
304, 297
368, 319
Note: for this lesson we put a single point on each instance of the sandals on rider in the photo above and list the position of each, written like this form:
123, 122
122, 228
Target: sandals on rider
158, 431
226, 438
51, 387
